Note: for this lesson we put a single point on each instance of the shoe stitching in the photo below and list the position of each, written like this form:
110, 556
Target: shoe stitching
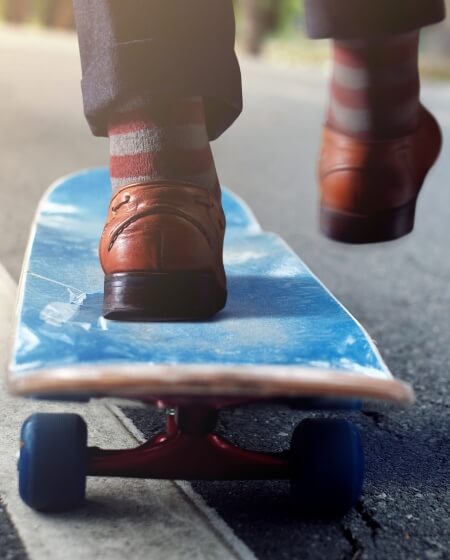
159, 209
126, 201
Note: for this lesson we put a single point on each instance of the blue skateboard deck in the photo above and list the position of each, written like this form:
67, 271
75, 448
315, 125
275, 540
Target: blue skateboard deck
282, 334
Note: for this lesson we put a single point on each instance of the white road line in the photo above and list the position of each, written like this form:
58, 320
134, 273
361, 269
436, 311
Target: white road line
123, 518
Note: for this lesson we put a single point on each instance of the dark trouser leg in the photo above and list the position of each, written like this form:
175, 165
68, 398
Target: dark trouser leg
136, 52
161, 79
345, 19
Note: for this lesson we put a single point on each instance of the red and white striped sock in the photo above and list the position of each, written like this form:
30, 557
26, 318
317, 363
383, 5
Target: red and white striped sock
171, 145
375, 86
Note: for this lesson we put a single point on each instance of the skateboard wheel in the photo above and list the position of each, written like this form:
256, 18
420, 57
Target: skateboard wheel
327, 466
53, 461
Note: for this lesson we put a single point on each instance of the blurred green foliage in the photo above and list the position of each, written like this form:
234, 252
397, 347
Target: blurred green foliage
285, 14
48, 12
290, 14
257, 20
39, 9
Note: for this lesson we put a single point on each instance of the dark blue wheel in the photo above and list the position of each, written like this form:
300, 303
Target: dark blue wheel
53, 461
327, 466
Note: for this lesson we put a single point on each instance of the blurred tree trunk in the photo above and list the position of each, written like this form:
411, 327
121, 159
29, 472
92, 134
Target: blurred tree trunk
17, 11
60, 14
260, 17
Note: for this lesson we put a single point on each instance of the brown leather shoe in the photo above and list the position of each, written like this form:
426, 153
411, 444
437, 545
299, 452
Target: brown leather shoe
369, 189
161, 251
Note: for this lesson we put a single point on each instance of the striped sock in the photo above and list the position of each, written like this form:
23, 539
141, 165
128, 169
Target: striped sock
172, 146
375, 86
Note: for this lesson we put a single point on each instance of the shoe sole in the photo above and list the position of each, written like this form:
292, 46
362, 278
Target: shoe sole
374, 228
162, 296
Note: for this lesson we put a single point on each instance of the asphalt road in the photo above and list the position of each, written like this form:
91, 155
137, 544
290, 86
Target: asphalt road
399, 291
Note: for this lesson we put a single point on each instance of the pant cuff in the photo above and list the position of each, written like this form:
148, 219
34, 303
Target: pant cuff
111, 85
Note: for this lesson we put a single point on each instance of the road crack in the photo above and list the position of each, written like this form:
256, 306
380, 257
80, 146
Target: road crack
369, 519
375, 416
378, 421
357, 548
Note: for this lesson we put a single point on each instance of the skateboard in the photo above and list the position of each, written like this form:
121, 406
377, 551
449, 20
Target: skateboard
282, 339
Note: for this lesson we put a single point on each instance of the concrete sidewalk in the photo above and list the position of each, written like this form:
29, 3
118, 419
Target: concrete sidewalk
122, 518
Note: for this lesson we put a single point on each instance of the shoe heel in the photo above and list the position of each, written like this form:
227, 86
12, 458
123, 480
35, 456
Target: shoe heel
171, 296
374, 228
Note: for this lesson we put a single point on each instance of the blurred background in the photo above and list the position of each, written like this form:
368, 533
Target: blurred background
399, 291
273, 28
